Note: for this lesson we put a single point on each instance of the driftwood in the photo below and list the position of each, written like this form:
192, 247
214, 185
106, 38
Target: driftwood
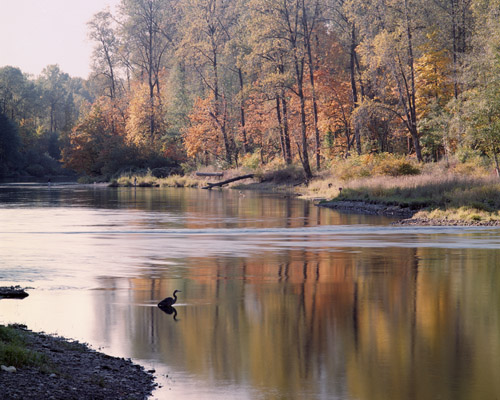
12, 292
219, 174
222, 183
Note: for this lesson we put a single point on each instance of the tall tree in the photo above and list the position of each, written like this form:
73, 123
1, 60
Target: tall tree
388, 48
281, 24
148, 34
206, 33
106, 51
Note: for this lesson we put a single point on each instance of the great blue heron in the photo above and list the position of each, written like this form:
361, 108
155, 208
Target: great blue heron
169, 301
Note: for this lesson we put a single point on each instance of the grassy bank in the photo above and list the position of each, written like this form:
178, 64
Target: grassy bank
14, 351
450, 197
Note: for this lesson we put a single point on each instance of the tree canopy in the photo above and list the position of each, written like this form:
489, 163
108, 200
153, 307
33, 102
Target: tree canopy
294, 81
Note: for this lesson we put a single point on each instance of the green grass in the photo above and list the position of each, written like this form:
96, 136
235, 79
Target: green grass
14, 351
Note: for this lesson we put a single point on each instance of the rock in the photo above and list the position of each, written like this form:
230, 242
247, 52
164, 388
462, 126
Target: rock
12, 292
8, 369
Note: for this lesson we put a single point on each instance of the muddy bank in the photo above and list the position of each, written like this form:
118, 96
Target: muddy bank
360, 207
71, 370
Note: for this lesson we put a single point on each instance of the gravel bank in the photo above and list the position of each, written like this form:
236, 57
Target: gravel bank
360, 207
74, 371
443, 222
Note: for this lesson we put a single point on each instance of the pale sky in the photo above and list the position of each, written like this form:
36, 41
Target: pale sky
36, 33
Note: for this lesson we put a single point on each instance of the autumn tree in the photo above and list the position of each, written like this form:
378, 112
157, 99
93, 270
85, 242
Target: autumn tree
343, 24
96, 144
282, 25
480, 103
388, 50
202, 135
105, 57
206, 33
148, 34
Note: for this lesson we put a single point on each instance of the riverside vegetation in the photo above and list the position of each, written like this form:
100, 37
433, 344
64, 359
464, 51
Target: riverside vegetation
465, 191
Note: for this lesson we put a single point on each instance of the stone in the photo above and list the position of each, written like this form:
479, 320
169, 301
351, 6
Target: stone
10, 369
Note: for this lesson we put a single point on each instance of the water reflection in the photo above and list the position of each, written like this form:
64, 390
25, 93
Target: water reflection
169, 310
279, 299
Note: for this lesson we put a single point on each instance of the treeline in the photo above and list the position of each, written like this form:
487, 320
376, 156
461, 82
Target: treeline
36, 116
232, 82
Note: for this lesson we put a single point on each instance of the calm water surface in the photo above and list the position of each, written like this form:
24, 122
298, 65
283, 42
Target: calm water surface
280, 299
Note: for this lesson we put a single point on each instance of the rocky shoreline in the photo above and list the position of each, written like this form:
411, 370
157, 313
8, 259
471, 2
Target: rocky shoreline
443, 222
71, 370
360, 207
406, 214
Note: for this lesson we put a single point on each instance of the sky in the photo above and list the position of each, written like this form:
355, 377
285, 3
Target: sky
37, 33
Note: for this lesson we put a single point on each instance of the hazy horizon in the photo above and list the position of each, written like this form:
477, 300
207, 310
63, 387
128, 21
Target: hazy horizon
34, 34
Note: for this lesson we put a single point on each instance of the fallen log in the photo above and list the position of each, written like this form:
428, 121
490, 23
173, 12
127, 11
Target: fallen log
12, 292
222, 183
219, 174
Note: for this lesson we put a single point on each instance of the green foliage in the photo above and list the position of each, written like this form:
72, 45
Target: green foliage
10, 157
14, 351
251, 160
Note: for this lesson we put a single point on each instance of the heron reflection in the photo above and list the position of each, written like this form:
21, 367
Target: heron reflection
166, 305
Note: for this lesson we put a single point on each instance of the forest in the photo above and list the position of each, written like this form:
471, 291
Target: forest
183, 84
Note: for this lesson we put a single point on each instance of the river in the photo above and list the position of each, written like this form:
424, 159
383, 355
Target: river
279, 299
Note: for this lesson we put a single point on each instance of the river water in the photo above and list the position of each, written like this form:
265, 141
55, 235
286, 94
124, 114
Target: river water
279, 299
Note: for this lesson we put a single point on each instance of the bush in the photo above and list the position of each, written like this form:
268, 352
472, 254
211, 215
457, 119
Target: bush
289, 175
35, 170
374, 164
394, 166
251, 161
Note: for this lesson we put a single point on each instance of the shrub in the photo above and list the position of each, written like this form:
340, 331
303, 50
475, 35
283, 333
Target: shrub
374, 164
251, 161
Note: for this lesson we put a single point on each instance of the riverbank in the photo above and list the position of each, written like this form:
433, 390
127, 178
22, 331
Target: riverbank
435, 195
40, 366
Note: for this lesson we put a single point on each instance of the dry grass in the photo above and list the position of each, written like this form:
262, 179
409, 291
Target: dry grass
459, 214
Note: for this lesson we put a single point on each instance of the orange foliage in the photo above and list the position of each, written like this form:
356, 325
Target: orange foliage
145, 123
202, 136
97, 131
261, 125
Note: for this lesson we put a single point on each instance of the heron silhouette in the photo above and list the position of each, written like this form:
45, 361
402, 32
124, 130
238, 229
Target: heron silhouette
169, 301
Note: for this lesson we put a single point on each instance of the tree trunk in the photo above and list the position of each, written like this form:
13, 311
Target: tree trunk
308, 46
222, 125
286, 132
280, 125
242, 113
411, 91
352, 70
299, 71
